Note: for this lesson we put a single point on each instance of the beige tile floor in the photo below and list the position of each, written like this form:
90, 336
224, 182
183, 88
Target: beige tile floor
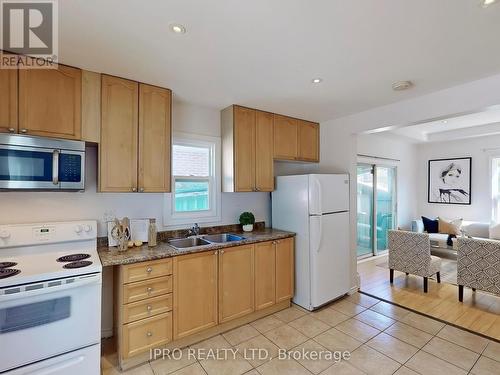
382, 339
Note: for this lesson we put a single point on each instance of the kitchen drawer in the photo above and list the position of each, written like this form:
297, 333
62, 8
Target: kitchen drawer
147, 308
145, 334
146, 289
146, 270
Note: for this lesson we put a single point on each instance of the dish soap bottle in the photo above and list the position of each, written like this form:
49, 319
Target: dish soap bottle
152, 232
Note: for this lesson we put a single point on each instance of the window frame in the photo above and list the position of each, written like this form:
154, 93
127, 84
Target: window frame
171, 218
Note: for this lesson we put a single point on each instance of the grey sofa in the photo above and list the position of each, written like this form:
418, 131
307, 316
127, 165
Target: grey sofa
471, 228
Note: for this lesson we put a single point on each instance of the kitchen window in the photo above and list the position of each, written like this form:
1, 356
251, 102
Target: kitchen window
195, 193
495, 188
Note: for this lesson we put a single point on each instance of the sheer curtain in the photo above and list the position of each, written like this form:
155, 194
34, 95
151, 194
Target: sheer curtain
495, 188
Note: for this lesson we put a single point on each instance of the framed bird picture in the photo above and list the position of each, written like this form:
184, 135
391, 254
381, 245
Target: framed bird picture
449, 181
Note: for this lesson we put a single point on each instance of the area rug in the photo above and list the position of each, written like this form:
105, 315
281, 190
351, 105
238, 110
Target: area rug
448, 268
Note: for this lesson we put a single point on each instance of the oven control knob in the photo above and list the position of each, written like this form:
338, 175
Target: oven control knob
87, 228
78, 228
4, 234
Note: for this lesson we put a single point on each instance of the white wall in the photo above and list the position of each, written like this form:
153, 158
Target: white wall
480, 208
338, 136
382, 146
21, 207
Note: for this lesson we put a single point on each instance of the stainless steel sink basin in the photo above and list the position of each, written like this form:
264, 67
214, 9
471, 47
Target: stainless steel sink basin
183, 243
222, 237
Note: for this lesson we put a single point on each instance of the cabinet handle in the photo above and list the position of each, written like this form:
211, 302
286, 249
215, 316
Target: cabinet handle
149, 270
141, 190
12, 130
274, 242
216, 252
149, 334
222, 251
149, 290
24, 131
257, 189
134, 189
149, 308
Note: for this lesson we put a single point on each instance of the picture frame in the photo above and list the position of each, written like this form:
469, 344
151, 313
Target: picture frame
449, 181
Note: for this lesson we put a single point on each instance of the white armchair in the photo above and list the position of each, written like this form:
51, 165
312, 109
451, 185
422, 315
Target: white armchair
478, 265
410, 252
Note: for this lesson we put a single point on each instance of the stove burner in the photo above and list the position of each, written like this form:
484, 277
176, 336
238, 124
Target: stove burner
7, 272
79, 264
73, 258
7, 264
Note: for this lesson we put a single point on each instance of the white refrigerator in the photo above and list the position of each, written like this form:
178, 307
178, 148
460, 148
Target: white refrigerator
316, 208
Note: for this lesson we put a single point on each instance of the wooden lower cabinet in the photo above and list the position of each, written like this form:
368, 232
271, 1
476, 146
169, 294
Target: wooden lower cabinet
145, 334
195, 293
236, 282
181, 300
265, 274
143, 308
285, 269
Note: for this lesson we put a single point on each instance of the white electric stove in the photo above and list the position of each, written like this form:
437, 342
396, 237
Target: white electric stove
50, 298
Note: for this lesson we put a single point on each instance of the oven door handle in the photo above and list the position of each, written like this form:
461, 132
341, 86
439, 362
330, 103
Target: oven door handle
55, 167
91, 279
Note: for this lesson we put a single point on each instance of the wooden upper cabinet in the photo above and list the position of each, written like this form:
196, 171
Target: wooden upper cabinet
119, 132
265, 274
8, 100
244, 149
264, 164
308, 135
236, 282
285, 138
91, 106
50, 102
284, 269
247, 150
195, 293
155, 138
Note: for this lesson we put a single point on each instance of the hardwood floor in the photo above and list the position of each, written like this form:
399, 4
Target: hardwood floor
480, 312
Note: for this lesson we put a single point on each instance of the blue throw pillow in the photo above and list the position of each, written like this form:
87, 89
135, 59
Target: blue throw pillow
430, 225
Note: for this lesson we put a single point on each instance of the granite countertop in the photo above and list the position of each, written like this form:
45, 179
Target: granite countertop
110, 256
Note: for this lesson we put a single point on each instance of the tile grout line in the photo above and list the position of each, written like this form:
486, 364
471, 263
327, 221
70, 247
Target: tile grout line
431, 317
433, 336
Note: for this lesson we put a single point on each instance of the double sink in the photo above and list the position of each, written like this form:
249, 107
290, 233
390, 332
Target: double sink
190, 242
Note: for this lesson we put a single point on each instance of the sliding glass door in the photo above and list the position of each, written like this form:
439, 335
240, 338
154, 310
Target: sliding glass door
377, 207
365, 210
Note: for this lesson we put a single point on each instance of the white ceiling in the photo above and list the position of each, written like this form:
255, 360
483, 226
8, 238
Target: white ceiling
264, 53
456, 127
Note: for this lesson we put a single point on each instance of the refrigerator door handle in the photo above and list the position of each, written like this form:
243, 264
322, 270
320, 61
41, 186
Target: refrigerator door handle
320, 233
320, 196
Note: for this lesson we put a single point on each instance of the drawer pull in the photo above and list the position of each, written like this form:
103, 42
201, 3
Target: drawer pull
149, 334
149, 270
149, 290
149, 308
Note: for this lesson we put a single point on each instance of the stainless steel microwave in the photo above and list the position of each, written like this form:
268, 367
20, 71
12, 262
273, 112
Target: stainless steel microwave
38, 163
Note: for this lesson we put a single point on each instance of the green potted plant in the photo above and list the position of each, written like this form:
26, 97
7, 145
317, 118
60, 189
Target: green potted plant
247, 220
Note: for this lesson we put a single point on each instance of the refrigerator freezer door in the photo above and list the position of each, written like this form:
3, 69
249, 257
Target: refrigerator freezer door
330, 257
328, 193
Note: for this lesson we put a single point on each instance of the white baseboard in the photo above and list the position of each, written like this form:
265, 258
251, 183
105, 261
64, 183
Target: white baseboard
106, 333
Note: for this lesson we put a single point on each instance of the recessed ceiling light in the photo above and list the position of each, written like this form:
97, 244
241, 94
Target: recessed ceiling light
444, 121
178, 28
487, 3
317, 80
402, 85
